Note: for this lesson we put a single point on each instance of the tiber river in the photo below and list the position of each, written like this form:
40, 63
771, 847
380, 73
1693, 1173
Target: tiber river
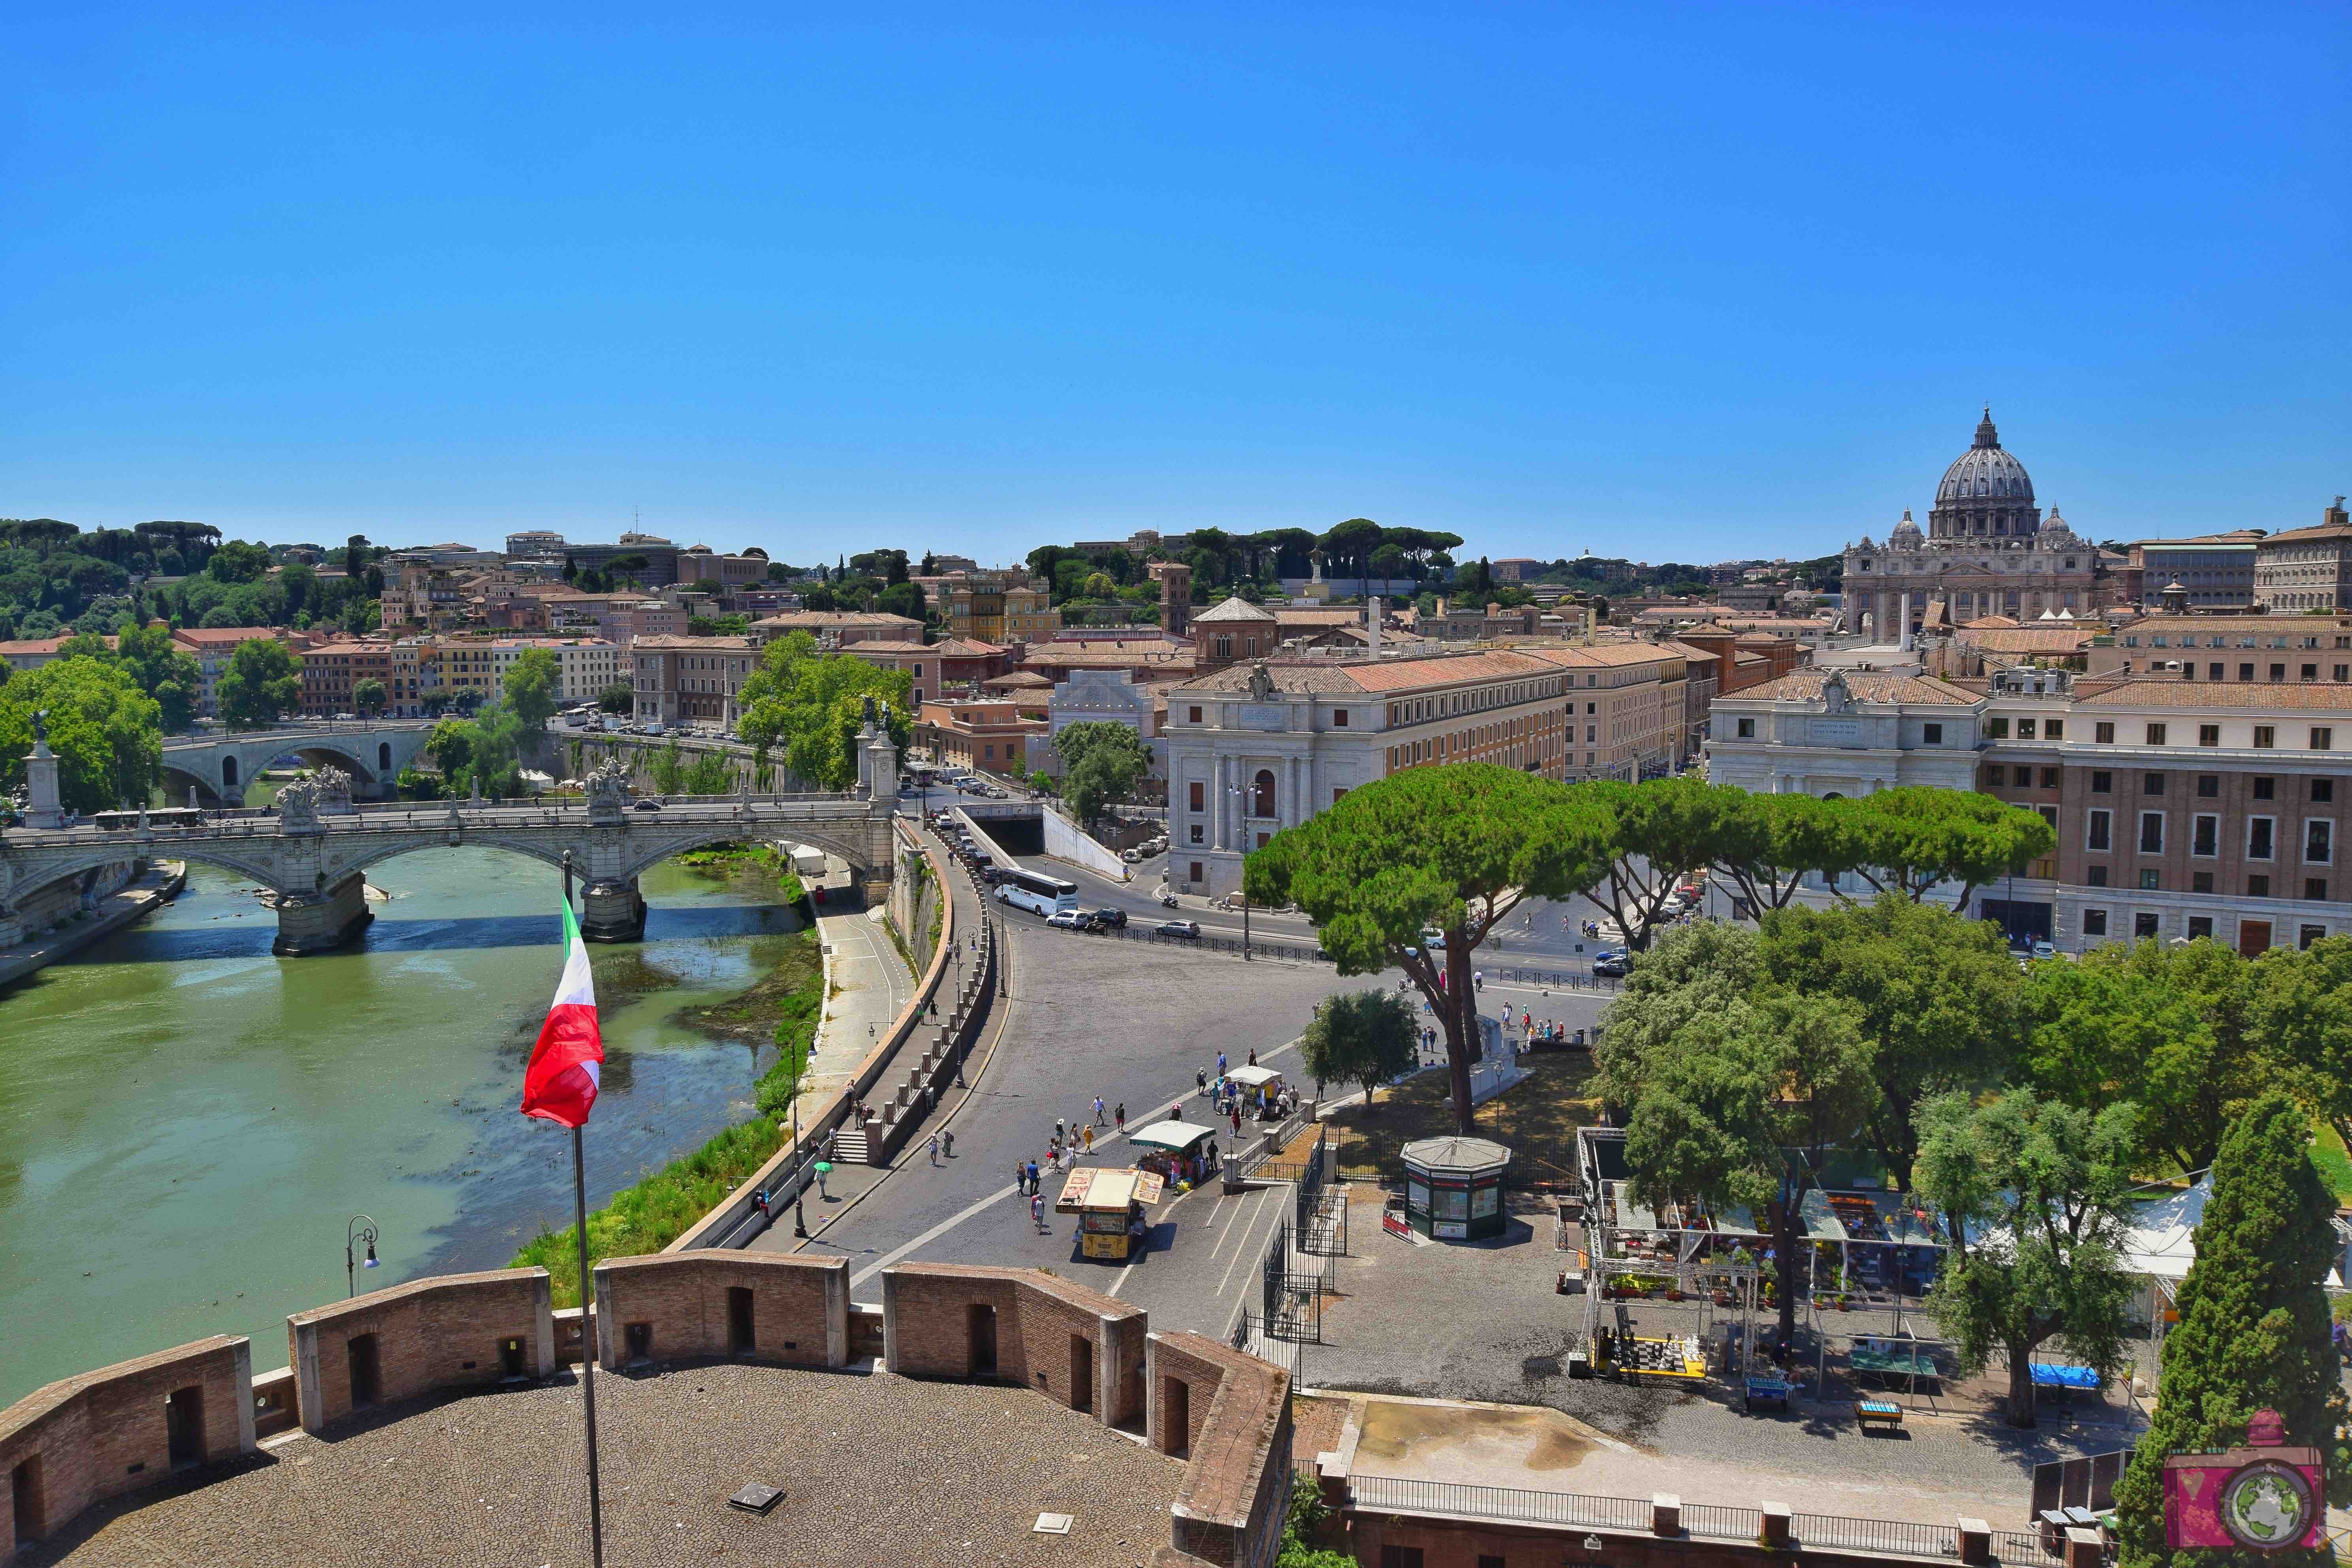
186, 1122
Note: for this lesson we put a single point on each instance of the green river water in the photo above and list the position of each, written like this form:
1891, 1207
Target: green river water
187, 1122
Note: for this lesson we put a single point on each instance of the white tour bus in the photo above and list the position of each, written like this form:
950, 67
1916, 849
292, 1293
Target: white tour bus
1045, 894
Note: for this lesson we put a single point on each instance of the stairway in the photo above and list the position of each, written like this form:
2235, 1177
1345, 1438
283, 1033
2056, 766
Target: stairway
850, 1146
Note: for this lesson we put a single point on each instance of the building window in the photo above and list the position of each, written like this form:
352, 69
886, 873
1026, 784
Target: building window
2025, 729
2209, 735
2103, 733
2054, 729
2259, 837
2143, 924
2319, 842
1338, 718
1196, 871
1930, 735
1997, 726
1995, 775
2205, 835
2151, 881
2095, 923
2308, 935
1262, 796
2315, 888
2321, 739
2156, 735
2096, 876
2245, 671
1746, 729
2265, 788
2151, 783
1192, 715
2050, 778
2323, 791
1193, 793
2102, 781
2201, 882
2200, 926
2258, 887
1199, 833
2311, 672
2151, 833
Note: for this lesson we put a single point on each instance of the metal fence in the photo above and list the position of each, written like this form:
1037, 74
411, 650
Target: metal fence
1884, 1537
1250, 1336
1284, 951
1557, 980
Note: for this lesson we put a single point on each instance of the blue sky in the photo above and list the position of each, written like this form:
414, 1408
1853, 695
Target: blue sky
1673, 282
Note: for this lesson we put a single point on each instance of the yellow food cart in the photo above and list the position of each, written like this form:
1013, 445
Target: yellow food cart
1108, 1205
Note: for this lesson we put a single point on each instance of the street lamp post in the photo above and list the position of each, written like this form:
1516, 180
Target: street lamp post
360, 1233
1238, 794
799, 1214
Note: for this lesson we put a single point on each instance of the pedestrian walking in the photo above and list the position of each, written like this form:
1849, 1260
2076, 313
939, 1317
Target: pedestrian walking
1060, 1130
1235, 1109
821, 1166
1091, 1138
930, 1098
947, 1144
1037, 1212
1201, 1077
1221, 1064
1122, 1116
761, 1198
1032, 1175
935, 1148
1253, 1060
1098, 1110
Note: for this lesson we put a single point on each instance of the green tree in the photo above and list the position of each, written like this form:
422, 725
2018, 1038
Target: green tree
666, 767
530, 684
1452, 847
1351, 543
1658, 834
1937, 995
452, 745
810, 706
1363, 1037
2165, 1026
1765, 845
618, 697
163, 671
262, 684
1916, 839
368, 696
2299, 1013
1302, 1523
237, 561
2036, 1194
1103, 761
708, 774
105, 732
1724, 1077
2253, 1331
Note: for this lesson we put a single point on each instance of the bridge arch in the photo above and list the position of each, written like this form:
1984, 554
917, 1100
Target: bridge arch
212, 853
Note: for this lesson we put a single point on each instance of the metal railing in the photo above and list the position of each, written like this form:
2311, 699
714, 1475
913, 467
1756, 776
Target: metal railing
1819, 1531
1469, 1499
1564, 980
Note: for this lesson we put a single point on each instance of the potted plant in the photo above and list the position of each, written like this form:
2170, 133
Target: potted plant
1674, 1294
1841, 1302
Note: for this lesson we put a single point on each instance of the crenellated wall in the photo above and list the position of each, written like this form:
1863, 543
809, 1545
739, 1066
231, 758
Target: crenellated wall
675, 1305
454, 1331
1079, 1347
82, 1440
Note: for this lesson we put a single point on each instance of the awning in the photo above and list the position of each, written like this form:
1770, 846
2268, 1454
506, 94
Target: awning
1252, 1076
1176, 1136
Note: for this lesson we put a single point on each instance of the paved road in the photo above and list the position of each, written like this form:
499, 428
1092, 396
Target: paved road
1088, 1015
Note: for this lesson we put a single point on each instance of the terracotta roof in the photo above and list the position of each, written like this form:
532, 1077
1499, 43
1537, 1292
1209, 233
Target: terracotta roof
1866, 686
2228, 625
700, 644
1234, 610
1023, 679
2174, 692
1986, 623
1317, 615
1301, 675
2302, 536
2070, 639
33, 645
945, 648
1606, 655
826, 620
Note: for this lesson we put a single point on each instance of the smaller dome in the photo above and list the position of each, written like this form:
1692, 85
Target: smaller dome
1905, 532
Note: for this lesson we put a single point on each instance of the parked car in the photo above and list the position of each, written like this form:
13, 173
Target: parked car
1178, 928
1609, 966
1107, 920
1131, 856
2042, 949
1067, 919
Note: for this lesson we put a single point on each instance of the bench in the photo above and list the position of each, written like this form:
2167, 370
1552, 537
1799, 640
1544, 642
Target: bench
1884, 1411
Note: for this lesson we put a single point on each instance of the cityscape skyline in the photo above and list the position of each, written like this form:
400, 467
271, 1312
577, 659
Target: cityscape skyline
1714, 276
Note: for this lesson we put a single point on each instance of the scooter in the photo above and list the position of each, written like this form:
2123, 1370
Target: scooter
1168, 901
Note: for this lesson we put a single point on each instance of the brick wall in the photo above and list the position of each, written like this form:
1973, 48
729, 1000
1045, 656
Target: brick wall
109, 1431
927, 1331
799, 1307
1236, 1429
430, 1335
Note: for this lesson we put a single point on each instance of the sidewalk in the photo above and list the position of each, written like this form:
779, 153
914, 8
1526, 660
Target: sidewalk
160, 883
866, 967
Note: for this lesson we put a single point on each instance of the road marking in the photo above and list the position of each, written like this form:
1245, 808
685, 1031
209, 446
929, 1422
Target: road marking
1243, 1251
928, 1237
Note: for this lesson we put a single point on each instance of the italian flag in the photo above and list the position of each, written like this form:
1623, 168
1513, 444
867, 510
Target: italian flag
560, 1084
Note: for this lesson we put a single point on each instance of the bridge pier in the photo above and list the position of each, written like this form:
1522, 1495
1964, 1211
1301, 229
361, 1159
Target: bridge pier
612, 910
322, 921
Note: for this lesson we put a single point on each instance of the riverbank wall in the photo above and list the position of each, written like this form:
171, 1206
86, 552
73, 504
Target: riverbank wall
139, 890
736, 1221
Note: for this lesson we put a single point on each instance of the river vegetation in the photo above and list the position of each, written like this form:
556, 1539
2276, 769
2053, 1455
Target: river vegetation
786, 1007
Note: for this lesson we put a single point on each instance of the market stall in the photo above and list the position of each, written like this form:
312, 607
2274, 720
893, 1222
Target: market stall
1110, 1208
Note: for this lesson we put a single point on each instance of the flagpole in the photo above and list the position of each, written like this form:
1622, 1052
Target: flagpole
587, 1285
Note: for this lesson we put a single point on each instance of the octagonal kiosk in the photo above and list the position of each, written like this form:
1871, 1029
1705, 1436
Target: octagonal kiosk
1454, 1187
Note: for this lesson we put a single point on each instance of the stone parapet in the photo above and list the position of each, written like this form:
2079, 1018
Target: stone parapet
451, 1332
745, 1306
1015, 1325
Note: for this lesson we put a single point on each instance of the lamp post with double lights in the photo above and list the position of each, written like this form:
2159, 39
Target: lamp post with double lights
1241, 811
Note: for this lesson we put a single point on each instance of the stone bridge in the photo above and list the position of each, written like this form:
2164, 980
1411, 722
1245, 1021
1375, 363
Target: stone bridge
220, 766
316, 864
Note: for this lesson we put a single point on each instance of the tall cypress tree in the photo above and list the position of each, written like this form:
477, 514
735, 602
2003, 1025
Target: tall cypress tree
2254, 1330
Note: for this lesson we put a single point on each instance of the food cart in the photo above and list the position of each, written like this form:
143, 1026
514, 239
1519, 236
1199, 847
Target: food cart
1260, 1089
1109, 1205
1178, 1151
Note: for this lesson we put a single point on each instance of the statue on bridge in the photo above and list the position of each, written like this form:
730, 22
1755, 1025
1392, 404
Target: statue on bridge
41, 722
608, 786
299, 803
